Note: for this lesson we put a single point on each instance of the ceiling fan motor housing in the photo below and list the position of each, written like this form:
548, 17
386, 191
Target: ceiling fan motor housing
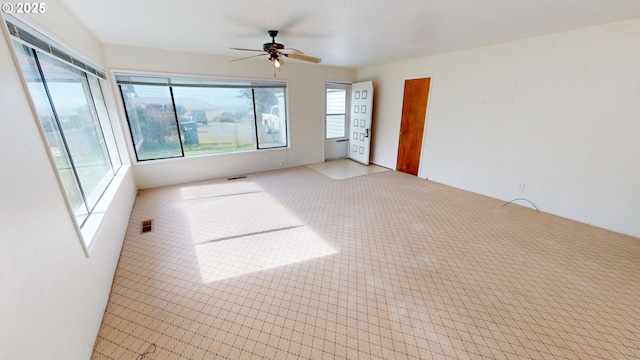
272, 46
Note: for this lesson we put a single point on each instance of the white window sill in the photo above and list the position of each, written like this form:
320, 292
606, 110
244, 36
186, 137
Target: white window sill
94, 221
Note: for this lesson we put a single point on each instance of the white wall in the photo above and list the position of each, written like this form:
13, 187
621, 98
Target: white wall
559, 113
306, 112
52, 297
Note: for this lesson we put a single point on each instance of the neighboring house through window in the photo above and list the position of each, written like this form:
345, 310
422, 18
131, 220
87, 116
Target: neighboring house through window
173, 117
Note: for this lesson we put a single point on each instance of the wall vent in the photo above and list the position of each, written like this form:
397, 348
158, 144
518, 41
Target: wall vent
146, 226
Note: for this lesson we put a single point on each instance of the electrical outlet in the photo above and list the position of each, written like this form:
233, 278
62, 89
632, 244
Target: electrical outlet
521, 186
281, 163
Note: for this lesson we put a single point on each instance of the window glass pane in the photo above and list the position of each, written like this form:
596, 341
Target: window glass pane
51, 131
271, 116
336, 113
103, 116
336, 101
335, 126
78, 121
215, 120
211, 116
152, 121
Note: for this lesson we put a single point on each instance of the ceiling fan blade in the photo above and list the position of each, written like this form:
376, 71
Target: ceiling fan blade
290, 51
233, 48
304, 58
248, 57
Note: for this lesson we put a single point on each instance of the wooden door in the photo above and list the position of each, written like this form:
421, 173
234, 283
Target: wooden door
414, 111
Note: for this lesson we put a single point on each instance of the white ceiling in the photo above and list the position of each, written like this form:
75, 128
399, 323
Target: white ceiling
349, 33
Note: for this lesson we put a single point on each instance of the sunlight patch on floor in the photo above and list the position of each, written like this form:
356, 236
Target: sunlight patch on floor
237, 228
229, 258
218, 189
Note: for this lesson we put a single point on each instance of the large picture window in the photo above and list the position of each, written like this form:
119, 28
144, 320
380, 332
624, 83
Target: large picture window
178, 117
69, 103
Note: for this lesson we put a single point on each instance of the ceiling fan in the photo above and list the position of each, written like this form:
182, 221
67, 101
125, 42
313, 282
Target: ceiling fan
277, 51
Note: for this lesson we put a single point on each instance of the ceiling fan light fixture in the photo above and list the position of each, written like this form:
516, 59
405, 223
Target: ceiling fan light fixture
275, 59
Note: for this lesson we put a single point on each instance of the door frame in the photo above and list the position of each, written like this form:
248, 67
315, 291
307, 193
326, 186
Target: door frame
426, 119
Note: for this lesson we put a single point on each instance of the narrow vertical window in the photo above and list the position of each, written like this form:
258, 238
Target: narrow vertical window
270, 103
336, 111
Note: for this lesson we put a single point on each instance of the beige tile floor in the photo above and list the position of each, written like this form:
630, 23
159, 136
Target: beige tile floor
292, 264
345, 169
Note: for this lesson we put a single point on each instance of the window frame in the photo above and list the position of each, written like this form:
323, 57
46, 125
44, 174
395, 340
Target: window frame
337, 86
232, 82
95, 89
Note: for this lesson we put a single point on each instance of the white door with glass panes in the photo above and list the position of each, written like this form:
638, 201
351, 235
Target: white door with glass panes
336, 144
360, 132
